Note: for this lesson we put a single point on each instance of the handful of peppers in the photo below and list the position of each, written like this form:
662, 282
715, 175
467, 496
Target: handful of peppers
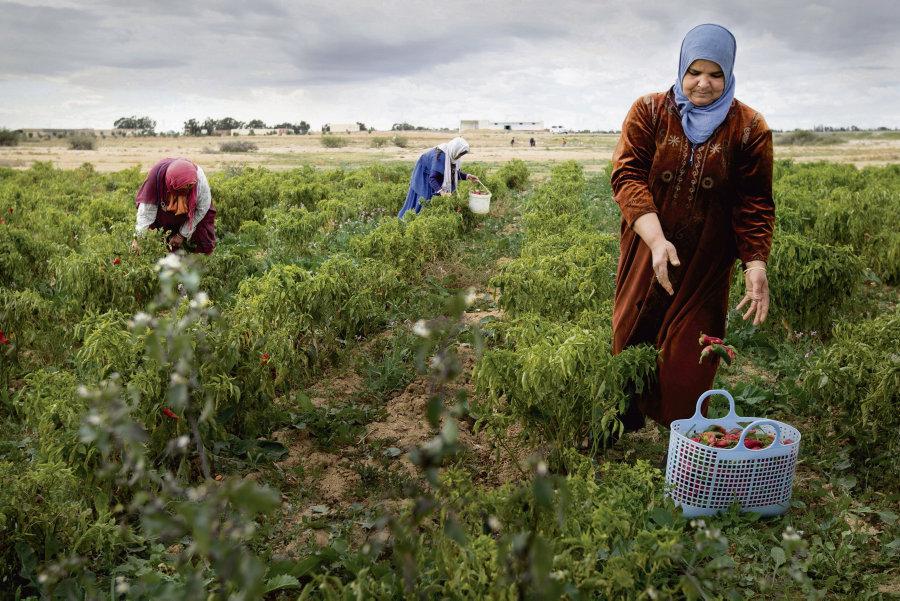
720, 438
713, 346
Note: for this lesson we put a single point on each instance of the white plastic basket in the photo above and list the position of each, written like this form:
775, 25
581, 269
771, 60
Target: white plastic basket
480, 203
704, 480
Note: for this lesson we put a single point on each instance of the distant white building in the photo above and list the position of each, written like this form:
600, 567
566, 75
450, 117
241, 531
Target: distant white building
559, 129
254, 131
501, 125
342, 128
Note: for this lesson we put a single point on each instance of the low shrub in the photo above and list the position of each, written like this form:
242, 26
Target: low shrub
238, 146
83, 143
331, 141
514, 174
400, 141
803, 137
8, 138
560, 380
854, 384
378, 142
812, 283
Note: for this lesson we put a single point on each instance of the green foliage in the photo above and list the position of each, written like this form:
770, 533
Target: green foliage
561, 379
514, 174
812, 283
413, 241
238, 146
83, 142
854, 385
300, 318
331, 141
8, 138
559, 283
804, 137
842, 205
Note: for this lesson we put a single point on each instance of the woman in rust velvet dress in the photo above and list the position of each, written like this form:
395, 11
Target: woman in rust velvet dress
692, 175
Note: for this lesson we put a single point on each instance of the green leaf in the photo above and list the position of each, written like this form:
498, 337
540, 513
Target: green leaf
778, 556
722, 562
281, 582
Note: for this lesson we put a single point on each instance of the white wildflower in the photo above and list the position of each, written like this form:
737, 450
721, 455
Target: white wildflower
420, 329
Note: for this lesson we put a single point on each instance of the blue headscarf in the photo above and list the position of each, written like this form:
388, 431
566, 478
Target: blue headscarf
712, 43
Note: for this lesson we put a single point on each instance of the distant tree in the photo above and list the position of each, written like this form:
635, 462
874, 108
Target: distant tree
297, 128
229, 123
326, 129
192, 128
406, 127
362, 126
256, 124
209, 125
144, 125
8, 138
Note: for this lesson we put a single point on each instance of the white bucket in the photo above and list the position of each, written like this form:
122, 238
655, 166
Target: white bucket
480, 203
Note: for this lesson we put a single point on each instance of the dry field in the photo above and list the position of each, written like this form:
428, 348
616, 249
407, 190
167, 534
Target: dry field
285, 152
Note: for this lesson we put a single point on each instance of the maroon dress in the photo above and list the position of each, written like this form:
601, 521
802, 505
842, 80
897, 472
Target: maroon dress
714, 202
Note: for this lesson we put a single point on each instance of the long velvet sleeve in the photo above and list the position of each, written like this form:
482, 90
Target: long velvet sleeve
632, 160
753, 218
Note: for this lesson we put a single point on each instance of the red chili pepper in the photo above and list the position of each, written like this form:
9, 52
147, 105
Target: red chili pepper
169, 413
117, 261
787, 441
752, 443
264, 358
706, 340
3, 338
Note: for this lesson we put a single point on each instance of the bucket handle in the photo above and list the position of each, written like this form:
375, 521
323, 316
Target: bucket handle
755, 424
731, 412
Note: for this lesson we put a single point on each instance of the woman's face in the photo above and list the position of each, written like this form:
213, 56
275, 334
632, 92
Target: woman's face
703, 83
180, 194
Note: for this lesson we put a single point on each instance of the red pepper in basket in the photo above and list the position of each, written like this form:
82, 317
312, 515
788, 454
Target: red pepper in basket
169, 413
3, 339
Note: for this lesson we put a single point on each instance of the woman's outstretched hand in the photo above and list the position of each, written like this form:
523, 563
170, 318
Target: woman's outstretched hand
756, 285
664, 253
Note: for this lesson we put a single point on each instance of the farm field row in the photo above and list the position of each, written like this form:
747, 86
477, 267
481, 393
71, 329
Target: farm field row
344, 405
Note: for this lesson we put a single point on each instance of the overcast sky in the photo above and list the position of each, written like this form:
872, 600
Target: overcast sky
67, 63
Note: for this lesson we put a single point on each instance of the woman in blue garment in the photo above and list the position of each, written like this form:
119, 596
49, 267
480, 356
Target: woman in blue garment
430, 174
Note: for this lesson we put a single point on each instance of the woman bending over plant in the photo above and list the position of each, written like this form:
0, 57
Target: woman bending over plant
176, 197
436, 172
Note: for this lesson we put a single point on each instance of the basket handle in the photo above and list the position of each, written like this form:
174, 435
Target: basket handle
709, 393
755, 424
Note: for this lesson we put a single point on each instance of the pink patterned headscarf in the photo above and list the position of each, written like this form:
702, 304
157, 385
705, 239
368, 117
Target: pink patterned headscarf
167, 176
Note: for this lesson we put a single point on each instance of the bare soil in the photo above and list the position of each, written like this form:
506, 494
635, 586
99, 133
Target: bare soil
286, 152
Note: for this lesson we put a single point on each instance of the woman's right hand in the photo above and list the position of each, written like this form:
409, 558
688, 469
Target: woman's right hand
647, 226
664, 253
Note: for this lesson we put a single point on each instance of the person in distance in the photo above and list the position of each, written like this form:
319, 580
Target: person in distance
436, 172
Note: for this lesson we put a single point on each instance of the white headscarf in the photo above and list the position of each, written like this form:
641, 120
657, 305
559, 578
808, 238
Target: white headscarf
452, 150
